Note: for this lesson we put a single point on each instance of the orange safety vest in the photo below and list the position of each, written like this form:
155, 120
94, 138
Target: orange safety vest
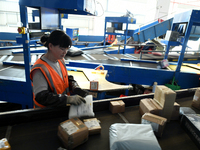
55, 82
110, 39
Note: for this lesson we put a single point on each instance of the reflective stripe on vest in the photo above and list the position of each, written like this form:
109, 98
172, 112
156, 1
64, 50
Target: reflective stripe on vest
46, 73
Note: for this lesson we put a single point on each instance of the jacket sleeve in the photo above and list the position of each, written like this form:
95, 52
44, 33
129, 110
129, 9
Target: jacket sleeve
47, 98
72, 83
74, 87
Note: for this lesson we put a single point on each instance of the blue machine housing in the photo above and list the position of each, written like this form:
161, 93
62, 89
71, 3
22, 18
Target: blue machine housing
65, 6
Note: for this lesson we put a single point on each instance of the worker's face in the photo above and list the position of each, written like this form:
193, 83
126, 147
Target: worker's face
57, 51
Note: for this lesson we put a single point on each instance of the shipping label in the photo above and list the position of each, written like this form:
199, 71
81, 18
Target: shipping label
69, 127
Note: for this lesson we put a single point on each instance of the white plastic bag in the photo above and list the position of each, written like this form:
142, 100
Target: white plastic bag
84, 109
127, 136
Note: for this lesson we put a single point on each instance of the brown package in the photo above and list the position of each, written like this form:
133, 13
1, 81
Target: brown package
165, 97
72, 133
6, 144
117, 106
176, 112
158, 123
150, 106
196, 105
93, 126
196, 99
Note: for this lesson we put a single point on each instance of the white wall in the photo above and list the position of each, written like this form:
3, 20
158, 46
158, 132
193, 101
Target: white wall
88, 25
143, 10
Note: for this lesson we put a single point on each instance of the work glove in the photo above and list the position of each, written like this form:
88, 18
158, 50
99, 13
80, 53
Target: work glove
75, 100
81, 92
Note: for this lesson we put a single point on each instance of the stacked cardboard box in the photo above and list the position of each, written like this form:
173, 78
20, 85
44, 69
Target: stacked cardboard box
150, 106
158, 123
163, 103
166, 98
196, 99
72, 133
117, 106
93, 126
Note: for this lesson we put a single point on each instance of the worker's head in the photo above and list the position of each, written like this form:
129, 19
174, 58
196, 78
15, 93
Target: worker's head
58, 42
57, 38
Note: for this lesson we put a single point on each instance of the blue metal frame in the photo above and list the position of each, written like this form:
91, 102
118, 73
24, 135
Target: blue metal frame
27, 58
19, 90
192, 18
126, 20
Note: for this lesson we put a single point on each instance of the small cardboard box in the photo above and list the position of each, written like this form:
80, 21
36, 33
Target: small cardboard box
4, 145
94, 85
176, 112
158, 123
165, 97
196, 99
117, 106
150, 106
93, 126
73, 132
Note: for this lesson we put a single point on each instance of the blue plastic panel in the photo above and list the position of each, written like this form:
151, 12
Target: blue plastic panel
8, 36
65, 6
90, 38
146, 26
191, 15
121, 20
15, 92
152, 31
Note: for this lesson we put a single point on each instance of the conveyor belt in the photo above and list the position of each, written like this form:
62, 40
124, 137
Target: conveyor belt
37, 133
123, 63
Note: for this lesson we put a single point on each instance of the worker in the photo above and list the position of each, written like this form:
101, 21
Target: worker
52, 86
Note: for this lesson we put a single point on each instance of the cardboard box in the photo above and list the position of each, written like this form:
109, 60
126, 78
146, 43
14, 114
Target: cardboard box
165, 97
148, 105
73, 132
4, 145
93, 126
176, 112
94, 85
196, 105
158, 123
196, 99
117, 106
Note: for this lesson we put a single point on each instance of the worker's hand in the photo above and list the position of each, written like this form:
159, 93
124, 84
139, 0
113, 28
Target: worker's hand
75, 100
81, 92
